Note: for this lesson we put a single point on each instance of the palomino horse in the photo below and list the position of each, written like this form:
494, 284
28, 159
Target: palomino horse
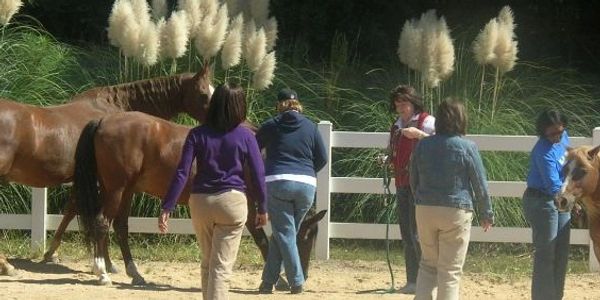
37, 144
582, 173
131, 153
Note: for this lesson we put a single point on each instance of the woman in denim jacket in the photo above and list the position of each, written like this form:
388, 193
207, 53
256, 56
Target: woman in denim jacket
550, 228
445, 170
295, 153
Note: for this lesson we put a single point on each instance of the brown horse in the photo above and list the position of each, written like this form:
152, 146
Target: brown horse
37, 144
131, 153
582, 181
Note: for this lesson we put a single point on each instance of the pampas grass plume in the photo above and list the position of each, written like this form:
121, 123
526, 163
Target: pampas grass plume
192, 9
141, 9
265, 73
271, 31
211, 34
485, 42
505, 50
506, 18
256, 50
8, 8
149, 44
414, 54
159, 9
232, 48
404, 42
175, 35
119, 15
444, 51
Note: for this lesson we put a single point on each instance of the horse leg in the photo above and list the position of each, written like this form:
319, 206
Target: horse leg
50, 256
306, 238
594, 226
100, 244
121, 227
5, 267
110, 267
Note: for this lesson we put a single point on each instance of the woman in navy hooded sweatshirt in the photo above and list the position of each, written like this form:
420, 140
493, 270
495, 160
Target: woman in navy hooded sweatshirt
295, 153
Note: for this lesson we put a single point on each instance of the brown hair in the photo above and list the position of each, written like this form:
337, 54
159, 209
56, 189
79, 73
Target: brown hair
289, 104
407, 93
227, 107
451, 117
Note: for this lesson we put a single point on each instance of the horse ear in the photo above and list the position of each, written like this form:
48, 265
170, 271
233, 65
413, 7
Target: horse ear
204, 73
592, 153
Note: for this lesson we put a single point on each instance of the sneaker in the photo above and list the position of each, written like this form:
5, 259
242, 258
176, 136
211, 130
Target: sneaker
265, 288
296, 289
409, 288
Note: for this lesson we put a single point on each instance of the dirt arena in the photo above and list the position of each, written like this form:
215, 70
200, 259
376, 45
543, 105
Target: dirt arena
329, 280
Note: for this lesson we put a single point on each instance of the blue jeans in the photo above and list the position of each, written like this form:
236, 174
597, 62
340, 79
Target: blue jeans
288, 203
408, 229
551, 232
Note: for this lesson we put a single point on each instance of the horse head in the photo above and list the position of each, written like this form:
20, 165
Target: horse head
305, 239
196, 94
581, 172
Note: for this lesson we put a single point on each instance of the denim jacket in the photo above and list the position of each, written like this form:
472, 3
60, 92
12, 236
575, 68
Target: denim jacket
448, 171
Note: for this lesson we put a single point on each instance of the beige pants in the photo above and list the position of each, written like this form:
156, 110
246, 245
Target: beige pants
444, 234
218, 220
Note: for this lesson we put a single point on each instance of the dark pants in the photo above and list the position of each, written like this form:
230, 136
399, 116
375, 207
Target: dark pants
408, 230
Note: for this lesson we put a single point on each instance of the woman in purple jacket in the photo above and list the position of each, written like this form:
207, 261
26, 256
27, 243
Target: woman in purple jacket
221, 148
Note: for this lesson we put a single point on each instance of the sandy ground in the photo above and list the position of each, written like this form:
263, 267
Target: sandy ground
328, 280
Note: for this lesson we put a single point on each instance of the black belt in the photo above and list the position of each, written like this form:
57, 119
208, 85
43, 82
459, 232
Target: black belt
536, 192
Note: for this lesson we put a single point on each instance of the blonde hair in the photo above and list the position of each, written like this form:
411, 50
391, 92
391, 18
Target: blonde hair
289, 104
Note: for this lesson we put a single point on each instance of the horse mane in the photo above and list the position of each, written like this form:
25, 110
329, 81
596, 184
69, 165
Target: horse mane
160, 96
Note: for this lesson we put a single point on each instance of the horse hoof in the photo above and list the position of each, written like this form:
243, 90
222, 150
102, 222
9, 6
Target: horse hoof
138, 281
104, 280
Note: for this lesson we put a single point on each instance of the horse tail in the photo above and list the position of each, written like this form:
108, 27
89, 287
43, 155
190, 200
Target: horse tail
85, 182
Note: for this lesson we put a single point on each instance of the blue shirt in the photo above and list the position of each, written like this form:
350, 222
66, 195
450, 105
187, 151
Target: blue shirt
220, 160
446, 170
546, 163
293, 143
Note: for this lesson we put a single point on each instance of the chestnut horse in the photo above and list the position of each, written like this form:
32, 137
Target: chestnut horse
131, 153
582, 181
37, 144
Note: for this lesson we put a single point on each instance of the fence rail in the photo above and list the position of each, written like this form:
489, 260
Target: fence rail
39, 222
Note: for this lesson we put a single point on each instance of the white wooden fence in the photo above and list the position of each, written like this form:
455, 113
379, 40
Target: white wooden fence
39, 222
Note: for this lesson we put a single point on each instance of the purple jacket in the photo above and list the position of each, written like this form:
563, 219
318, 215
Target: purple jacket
220, 159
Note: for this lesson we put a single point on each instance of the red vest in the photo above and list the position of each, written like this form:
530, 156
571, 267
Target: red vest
402, 148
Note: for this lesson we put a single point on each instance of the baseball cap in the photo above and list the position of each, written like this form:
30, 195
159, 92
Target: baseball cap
285, 94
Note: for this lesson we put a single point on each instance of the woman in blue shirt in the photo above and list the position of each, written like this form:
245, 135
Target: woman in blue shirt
550, 228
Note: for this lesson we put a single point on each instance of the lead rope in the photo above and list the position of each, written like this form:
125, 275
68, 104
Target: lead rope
388, 195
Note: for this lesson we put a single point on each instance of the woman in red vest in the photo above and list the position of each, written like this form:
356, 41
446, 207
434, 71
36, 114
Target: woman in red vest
412, 124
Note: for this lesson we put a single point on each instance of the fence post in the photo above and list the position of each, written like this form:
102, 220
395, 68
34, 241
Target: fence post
39, 205
324, 194
593, 261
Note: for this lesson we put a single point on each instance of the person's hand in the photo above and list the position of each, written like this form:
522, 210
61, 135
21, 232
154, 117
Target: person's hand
413, 133
163, 221
261, 220
486, 225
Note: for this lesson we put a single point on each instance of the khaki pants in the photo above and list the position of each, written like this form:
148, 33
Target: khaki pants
218, 220
444, 234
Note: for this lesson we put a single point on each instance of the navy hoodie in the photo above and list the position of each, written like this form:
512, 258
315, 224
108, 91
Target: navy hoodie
293, 144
